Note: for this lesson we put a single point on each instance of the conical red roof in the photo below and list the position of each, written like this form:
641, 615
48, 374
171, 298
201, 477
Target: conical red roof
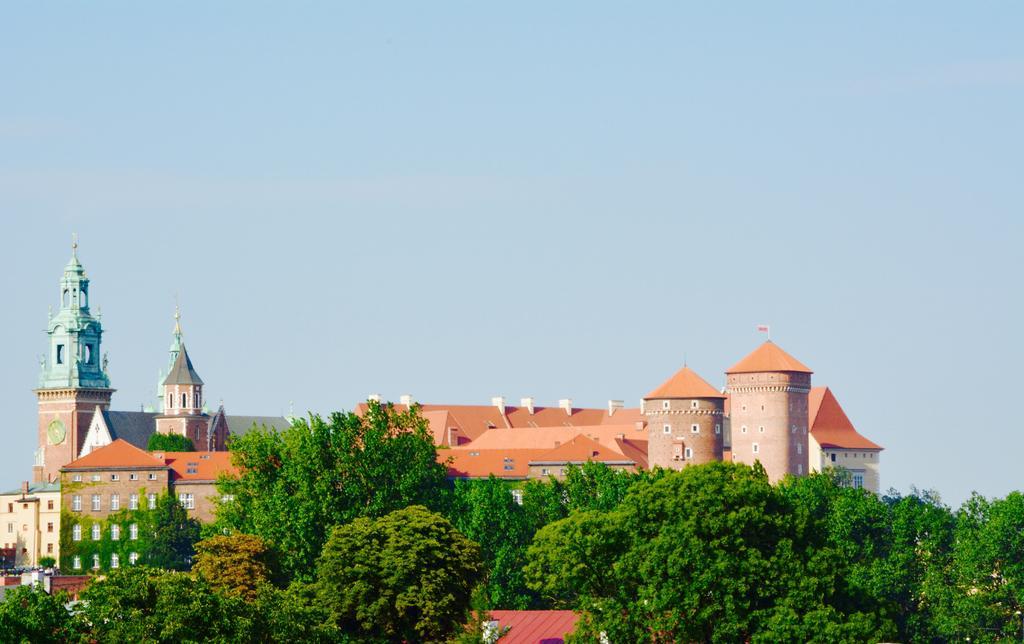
685, 384
767, 358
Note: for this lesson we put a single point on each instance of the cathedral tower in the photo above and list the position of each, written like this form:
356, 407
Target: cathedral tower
73, 381
768, 411
183, 397
684, 421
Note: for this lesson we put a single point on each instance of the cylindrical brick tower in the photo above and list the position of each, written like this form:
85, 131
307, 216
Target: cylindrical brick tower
684, 422
768, 411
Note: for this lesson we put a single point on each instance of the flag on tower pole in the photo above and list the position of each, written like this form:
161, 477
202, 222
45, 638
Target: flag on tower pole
764, 328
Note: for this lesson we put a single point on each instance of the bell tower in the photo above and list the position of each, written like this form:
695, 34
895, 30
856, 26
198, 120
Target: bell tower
182, 400
73, 380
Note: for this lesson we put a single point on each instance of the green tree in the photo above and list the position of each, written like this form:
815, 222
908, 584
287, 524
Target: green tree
173, 537
169, 443
30, 615
235, 565
294, 485
294, 614
407, 576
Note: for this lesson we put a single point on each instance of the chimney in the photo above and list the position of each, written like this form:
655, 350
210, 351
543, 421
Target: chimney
566, 404
528, 403
613, 405
406, 399
499, 402
373, 397
24, 488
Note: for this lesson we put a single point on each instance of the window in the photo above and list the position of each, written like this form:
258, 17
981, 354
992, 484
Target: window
152, 476
133, 476
76, 502
95, 478
688, 453
88, 354
833, 455
665, 404
743, 430
115, 477
184, 400
95, 562
115, 502
799, 448
195, 400
744, 406
792, 429
60, 350
49, 548
757, 448
152, 501
718, 428
95, 532
667, 429
858, 481
227, 498
115, 561
188, 501
49, 526
76, 562
192, 468
76, 532
95, 502
544, 471
799, 469
170, 401
133, 557
77, 478
133, 502
695, 429
133, 531
115, 532
694, 404
761, 429
517, 497
49, 504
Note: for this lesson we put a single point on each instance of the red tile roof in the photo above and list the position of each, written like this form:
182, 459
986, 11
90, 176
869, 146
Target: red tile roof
502, 463
552, 437
119, 454
766, 358
535, 626
685, 384
197, 466
829, 424
581, 449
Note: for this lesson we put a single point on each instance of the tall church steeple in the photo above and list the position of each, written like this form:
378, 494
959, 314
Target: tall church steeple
73, 382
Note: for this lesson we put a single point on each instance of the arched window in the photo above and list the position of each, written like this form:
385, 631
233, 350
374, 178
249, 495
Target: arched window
67, 298
83, 300
195, 399
184, 400
170, 401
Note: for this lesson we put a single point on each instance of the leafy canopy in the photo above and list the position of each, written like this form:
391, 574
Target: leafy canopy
169, 443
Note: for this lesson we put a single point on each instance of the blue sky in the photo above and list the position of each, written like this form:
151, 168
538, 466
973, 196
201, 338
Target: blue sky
462, 200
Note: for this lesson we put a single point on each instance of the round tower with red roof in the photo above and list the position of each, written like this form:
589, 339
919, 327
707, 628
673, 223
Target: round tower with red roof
684, 422
768, 392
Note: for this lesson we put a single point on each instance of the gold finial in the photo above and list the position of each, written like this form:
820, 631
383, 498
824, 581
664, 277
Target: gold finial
177, 316
74, 245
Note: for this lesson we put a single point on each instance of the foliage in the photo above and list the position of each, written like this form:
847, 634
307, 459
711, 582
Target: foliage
295, 485
165, 536
294, 614
47, 562
235, 565
169, 443
407, 576
29, 614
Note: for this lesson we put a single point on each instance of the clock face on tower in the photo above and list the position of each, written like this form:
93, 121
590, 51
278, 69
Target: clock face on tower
56, 432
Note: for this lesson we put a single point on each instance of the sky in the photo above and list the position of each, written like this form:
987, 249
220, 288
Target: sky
561, 200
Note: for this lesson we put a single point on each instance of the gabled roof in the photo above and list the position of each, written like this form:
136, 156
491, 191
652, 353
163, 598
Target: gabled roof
767, 358
197, 466
829, 424
119, 454
685, 384
133, 426
580, 450
238, 425
182, 372
533, 626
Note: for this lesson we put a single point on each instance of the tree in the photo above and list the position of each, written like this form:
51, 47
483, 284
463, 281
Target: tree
235, 565
407, 576
29, 614
173, 537
47, 562
294, 485
169, 443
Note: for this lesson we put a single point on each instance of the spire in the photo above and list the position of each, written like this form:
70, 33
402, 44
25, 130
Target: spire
176, 342
182, 371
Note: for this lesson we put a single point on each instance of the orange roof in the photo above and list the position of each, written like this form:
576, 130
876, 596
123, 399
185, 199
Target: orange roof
552, 437
533, 626
197, 466
766, 358
685, 384
580, 450
829, 424
503, 463
119, 454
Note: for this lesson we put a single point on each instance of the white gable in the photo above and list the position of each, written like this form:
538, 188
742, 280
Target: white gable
98, 435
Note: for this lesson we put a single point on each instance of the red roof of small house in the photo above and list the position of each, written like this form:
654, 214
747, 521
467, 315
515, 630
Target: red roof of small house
768, 358
118, 454
685, 383
535, 626
829, 424
197, 466
482, 463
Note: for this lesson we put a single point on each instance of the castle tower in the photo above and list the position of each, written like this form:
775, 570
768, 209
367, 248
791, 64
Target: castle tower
684, 421
183, 397
768, 411
73, 381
